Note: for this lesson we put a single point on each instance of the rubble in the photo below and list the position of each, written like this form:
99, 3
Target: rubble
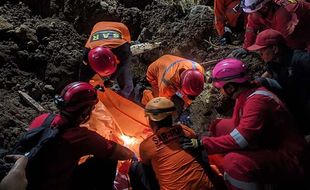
41, 48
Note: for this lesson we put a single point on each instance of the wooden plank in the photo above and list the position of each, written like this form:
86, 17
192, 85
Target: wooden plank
34, 104
209, 63
143, 47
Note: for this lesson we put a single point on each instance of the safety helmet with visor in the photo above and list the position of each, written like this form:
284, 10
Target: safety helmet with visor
229, 70
76, 96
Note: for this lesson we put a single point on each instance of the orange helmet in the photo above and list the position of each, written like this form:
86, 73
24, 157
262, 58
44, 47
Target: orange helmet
102, 61
159, 108
192, 82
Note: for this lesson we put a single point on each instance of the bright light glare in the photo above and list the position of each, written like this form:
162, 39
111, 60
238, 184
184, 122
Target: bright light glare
128, 140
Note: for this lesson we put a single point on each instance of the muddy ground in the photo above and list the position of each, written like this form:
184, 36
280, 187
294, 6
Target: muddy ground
41, 47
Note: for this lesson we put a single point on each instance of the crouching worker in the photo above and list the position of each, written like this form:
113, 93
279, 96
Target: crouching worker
259, 144
57, 164
175, 78
107, 53
174, 167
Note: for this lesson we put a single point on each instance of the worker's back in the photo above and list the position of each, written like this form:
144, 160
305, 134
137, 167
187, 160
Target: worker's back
174, 167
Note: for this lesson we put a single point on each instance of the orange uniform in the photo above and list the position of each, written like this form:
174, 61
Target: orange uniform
164, 76
108, 34
116, 36
174, 167
224, 13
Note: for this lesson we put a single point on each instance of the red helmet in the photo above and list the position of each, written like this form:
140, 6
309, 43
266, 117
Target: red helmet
75, 96
102, 61
192, 82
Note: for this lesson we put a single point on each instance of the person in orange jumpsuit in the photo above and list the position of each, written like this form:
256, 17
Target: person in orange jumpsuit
226, 15
174, 167
171, 75
107, 53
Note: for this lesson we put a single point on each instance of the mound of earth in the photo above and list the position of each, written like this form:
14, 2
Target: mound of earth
41, 47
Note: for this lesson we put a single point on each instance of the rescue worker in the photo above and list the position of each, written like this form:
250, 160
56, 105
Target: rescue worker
291, 69
174, 167
107, 53
226, 16
259, 143
172, 76
57, 166
290, 18
16, 178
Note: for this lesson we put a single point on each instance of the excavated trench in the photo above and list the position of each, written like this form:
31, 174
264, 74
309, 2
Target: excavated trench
41, 46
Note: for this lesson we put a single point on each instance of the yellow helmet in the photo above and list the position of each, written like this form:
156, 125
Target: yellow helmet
159, 108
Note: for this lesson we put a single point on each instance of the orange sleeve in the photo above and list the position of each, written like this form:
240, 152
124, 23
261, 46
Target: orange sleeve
201, 69
188, 132
166, 91
152, 77
219, 16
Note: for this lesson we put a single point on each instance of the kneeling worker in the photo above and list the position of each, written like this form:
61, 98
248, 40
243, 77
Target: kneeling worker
174, 167
172, 76
107, 52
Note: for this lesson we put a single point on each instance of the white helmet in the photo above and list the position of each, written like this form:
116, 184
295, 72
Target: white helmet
250, 6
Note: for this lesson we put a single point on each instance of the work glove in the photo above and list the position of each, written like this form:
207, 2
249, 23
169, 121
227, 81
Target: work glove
189, 143
113, 85
99, 87
185, 118
108, 83
239, 53
226, 38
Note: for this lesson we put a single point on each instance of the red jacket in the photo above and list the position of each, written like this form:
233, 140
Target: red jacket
291, 20
261, 122
62, 158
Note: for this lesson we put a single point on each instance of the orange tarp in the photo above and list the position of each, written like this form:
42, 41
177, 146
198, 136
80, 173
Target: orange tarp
118, 119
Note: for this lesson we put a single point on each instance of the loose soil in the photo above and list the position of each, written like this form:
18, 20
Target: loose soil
41, 46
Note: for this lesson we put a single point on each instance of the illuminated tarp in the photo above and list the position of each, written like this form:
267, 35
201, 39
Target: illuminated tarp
118, 119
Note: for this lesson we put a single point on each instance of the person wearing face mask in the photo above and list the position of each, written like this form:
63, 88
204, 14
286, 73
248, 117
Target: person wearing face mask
258, 139
57, 165
291, 69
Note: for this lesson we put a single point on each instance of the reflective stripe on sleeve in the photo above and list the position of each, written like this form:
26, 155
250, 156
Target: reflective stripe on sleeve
240, 184
240, 140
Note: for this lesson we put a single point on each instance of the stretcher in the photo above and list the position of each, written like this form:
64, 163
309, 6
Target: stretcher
117, 118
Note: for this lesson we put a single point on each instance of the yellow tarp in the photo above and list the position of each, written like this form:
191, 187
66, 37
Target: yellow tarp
118, 119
